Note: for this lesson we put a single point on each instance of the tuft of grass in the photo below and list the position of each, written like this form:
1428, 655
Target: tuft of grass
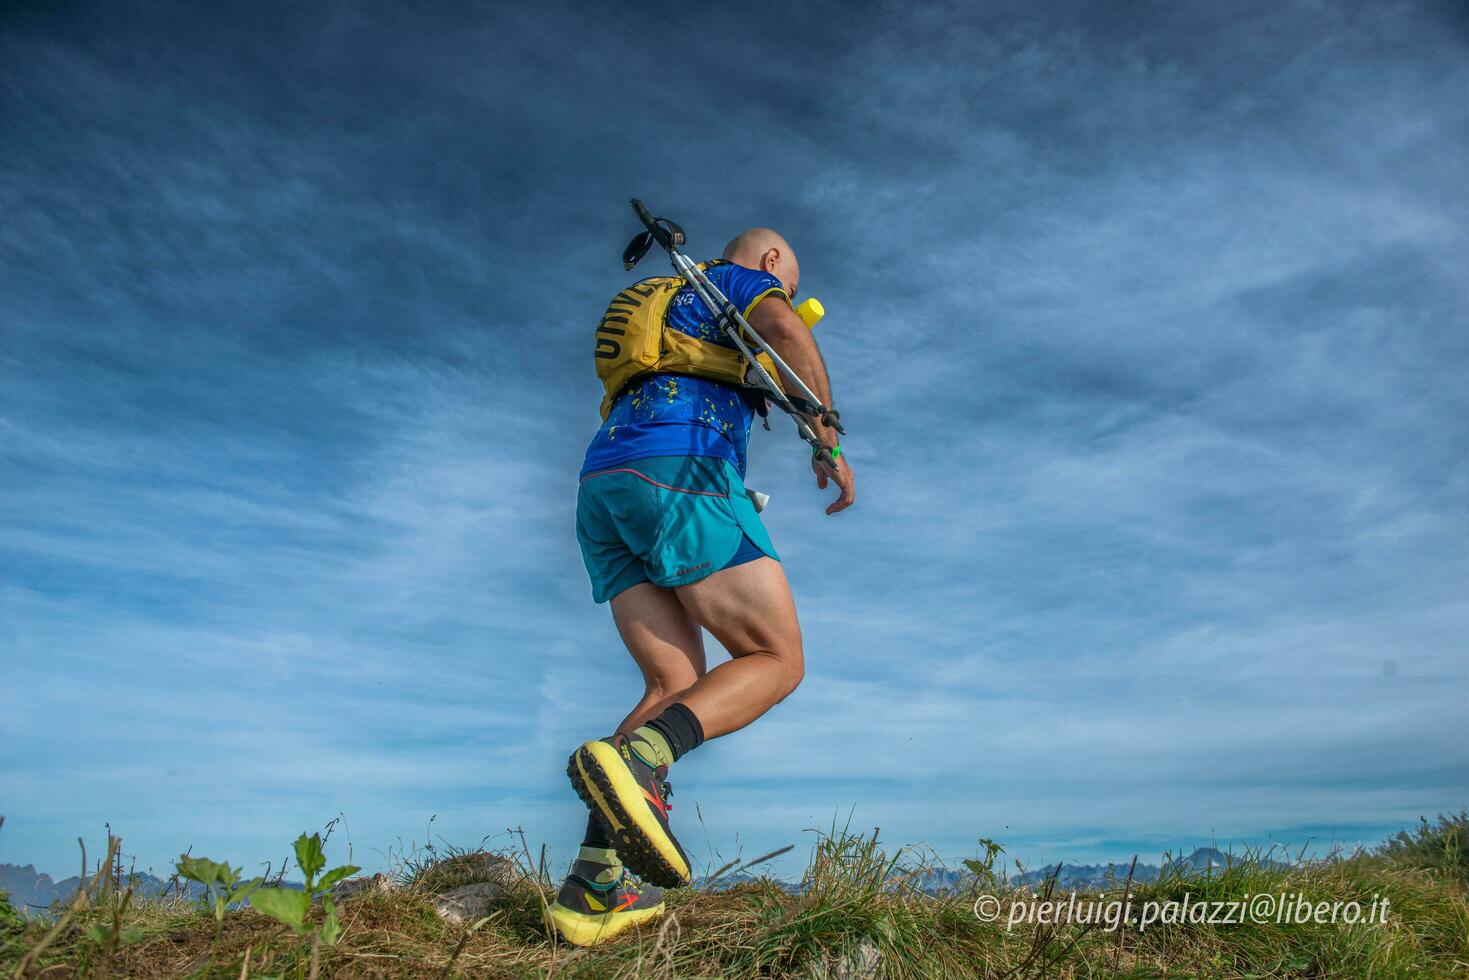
856, 906
1443, 846
458, 868
858, 913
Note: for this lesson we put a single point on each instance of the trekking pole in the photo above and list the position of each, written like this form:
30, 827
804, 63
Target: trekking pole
806, 403
670, 238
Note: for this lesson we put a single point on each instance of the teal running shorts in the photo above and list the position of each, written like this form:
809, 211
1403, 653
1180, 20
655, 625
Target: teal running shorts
669, 520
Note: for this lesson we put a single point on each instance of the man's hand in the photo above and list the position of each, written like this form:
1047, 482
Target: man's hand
838, 472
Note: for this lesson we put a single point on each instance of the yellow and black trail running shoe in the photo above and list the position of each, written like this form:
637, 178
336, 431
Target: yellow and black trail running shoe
587, 912
631, 794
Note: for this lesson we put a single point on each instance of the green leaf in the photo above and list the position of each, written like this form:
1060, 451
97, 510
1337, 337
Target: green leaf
202, 870
309, 856
98, 934
331, 929
243, 892
335, 875
132, 934
284, 905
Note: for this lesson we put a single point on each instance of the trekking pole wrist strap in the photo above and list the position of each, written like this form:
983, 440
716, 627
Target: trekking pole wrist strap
829, 417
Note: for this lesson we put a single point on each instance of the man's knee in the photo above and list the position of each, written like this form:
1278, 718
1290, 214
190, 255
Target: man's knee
670, 683
793, 670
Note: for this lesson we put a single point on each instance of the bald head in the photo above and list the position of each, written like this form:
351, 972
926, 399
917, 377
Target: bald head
766, 250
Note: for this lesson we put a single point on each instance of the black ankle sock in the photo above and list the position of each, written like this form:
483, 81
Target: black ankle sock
680, 727
596, 833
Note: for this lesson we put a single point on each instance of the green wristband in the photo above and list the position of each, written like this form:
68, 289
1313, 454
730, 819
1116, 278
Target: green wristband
835, 451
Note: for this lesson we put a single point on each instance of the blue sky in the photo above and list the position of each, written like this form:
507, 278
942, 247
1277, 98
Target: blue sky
1148, 324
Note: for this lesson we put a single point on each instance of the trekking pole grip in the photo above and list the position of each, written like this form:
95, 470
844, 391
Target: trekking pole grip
643, 215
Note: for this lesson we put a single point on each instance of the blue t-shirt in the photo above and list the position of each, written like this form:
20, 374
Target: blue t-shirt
680, 415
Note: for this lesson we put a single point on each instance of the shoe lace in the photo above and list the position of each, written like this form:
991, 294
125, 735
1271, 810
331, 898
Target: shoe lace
665, 789
629, 883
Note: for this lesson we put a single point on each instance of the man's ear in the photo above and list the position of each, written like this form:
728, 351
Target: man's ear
770, 260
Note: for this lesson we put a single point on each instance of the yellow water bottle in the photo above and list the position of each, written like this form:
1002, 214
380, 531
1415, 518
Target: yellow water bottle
811, 312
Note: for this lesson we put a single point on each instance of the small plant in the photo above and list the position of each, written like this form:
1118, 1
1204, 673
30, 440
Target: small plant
983, 869
10, 918
290, 906
1443, 846
109, 937
222, 884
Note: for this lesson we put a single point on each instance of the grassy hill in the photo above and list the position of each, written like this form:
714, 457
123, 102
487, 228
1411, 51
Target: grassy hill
857, 913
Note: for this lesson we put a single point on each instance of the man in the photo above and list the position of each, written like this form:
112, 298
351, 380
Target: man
671, 539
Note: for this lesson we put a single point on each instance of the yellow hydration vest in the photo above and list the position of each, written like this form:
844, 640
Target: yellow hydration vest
633, 340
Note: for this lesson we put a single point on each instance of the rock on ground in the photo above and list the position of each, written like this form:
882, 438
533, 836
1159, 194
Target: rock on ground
458, 904
467, 903
859, 963
357, 887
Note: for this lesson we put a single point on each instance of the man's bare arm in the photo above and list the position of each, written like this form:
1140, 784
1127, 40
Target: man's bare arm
775, 321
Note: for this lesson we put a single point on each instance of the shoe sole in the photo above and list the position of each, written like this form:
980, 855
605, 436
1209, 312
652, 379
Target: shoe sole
581, 929
603, 781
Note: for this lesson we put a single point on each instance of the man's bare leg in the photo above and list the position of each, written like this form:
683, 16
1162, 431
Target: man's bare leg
622, 778
666, 643
668, 647
750, 611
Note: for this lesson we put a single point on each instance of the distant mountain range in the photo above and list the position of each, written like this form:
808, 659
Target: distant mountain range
1096, 877
32, 892
1069, 877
